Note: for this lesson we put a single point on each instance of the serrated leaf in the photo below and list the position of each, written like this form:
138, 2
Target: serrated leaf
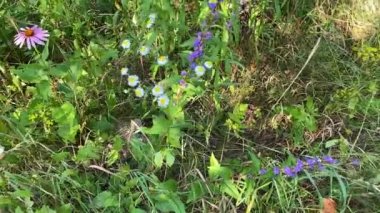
65, 116
105, 200
88, 152
160, 126
44, 89
32, 73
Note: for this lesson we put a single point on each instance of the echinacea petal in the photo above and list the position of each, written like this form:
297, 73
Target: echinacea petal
19, 41
39, 41
28, 43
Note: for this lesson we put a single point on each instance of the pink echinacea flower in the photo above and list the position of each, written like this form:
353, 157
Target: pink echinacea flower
31, 36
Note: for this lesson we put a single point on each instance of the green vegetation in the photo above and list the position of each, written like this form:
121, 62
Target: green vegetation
189, 106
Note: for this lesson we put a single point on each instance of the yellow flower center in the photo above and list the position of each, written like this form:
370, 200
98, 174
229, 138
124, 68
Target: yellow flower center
29, 32
162, 101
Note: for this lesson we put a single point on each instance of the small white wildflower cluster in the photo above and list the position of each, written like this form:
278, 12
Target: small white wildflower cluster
151, 20
158, 93
133, 80
200, 70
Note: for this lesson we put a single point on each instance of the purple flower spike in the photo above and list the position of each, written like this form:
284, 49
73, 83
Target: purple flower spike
299, 166
289, 172
183, 73
194, 55
311, 162
276, 170
199, 35
212, 6
262, 171
197, 43
330, 160
208, 35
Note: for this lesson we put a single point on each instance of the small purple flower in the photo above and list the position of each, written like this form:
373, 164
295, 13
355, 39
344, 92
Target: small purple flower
193, 65
289, 172
355, 162
183, 73
299, 166
212, 5
262, 171
330, 160
276, 170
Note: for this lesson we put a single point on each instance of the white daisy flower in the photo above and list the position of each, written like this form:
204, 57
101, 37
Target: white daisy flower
144, 50
208, 64
126, 44
157, 90
139, 92
124, 71
162, 60
199, 70
149, 24
163, 101
152, 16
125, 91
133, 80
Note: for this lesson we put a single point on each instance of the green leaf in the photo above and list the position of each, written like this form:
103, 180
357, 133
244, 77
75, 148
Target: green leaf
44, 89
22, 193
160, 125
134, 210
88, 152
19, 210
229, 188
197, 190
66, 208
105, 199
174, 135
158, 159
5, 201
214, 170
331, 143
65, 116
45, 209
60, 156
32, 73
167, 202
169, 158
